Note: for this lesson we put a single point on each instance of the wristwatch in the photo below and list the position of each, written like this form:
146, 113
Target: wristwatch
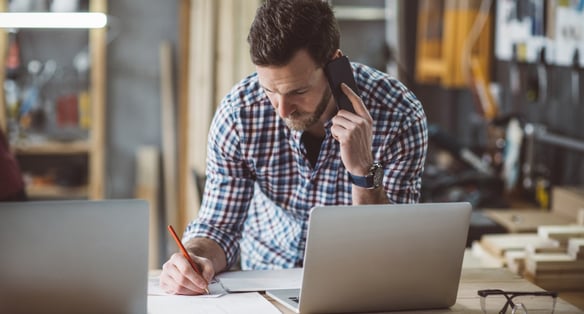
372, 180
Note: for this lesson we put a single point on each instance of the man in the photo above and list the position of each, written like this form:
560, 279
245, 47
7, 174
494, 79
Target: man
278, 146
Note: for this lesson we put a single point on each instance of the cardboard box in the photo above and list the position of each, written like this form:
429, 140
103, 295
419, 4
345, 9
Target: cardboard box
567, 201
526, 220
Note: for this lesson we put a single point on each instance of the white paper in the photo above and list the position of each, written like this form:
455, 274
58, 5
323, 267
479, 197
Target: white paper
236, 303
215, 289
261, 280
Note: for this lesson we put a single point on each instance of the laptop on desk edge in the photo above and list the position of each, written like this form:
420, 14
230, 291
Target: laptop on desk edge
374, 258
74, 257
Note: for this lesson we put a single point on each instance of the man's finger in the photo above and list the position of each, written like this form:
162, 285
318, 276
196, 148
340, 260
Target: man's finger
358, 105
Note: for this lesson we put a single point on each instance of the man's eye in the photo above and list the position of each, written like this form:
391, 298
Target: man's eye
300, 92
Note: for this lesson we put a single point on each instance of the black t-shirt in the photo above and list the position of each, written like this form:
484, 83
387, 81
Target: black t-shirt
312, 144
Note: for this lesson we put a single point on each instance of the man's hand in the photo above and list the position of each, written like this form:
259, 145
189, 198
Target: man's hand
354, 133
178, 277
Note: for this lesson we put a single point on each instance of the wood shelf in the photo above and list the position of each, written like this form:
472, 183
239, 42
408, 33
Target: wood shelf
95, 146
56, 192
52, 148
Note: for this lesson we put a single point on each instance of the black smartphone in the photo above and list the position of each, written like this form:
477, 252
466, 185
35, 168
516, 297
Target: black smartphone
339, 71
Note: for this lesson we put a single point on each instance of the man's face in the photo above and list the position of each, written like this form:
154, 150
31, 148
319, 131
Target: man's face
298, 91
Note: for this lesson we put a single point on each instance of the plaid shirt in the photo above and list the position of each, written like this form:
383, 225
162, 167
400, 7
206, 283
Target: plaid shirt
261, 186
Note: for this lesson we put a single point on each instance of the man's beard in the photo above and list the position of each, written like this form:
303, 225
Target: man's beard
301, 121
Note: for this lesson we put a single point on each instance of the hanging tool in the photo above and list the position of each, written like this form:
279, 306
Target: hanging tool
529, 162
514, 80
575, 79
542, 78
32, 113
536, 85
511, 166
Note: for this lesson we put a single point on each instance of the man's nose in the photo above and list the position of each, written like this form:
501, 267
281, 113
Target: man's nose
285, 106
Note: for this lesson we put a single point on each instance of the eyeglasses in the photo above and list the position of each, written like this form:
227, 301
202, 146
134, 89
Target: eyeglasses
515, 302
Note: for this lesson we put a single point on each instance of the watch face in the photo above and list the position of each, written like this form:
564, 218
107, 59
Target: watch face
378, 176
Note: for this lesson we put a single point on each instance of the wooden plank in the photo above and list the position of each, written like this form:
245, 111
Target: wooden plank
544, 263
515, 261
561, 233
498, 244
226, 71
232, 58
557, 282
183, 109
525, 220
147, 178
168, 133
576, 248
567, 200
214, 64
201, 98
486, 257
97, 44
245, 14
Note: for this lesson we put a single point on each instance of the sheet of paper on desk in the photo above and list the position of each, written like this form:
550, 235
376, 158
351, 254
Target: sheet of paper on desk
236, 303
261, 280
215, 289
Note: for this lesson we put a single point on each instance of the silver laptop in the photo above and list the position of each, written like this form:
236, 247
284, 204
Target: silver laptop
74, 257
375, 258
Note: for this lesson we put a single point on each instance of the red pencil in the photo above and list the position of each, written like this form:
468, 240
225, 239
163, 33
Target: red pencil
185, 254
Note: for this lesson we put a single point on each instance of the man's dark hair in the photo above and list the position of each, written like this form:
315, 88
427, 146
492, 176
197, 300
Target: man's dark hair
283, 27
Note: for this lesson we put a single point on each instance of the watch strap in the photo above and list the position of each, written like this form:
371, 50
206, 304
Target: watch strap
371, 181
361, 181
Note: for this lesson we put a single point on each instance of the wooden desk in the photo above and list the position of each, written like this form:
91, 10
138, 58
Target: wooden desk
477, 278
474, 279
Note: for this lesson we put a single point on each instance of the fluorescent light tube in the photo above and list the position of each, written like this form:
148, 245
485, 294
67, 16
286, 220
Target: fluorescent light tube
53, 20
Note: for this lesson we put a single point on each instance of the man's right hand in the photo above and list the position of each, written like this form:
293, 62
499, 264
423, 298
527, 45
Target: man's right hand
178, 277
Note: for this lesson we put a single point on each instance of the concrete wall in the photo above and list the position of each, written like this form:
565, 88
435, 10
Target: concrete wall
133, 100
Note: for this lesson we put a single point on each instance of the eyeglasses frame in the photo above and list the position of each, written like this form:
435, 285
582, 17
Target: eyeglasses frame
509, 295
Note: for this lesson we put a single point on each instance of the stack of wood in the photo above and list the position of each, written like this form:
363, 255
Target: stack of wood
546, 247
509, 249
559, 268
552, 258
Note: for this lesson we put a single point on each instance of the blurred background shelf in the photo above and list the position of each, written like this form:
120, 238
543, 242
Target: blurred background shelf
65, 71
57, 192
52, 148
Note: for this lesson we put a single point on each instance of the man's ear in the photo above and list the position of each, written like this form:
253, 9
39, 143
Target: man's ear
338, 53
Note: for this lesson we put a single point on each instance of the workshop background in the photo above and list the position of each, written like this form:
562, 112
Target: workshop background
123, 111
